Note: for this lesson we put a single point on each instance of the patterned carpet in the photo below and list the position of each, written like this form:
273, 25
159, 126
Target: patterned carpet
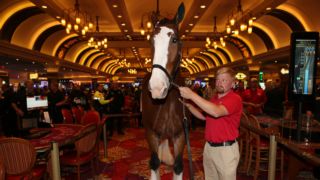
129, 156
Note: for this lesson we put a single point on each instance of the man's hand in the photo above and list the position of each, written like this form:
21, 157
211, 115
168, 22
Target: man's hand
186, 92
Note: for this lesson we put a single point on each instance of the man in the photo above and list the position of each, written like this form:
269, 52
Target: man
100, 101
116, 106
254, 98
223, 112
56, 100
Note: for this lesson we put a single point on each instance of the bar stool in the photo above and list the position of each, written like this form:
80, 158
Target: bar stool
259, 151
244, 142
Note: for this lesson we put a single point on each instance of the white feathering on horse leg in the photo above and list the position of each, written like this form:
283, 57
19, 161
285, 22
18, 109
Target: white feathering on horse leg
165, 154
177, 177
155, 175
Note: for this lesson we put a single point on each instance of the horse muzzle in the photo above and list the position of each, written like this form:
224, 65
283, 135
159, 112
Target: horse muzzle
158, 91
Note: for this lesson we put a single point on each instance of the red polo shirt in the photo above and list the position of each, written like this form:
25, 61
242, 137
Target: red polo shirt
257, 97
225, 128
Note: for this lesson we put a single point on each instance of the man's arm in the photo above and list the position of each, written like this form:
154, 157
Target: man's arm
207, 106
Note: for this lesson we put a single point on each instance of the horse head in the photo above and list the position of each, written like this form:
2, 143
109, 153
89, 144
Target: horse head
166, 48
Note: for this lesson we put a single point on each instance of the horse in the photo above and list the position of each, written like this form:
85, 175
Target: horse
162, 113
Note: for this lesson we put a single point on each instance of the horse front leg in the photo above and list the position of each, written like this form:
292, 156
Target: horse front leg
179, 143
154, 162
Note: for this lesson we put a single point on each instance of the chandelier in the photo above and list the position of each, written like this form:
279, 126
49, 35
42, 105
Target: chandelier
132, 71
123, 63
82, 20
145, 25
237, 22
215, 38
98, 43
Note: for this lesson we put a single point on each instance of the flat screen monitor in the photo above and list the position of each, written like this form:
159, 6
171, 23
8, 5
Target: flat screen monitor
37, 102
303, 65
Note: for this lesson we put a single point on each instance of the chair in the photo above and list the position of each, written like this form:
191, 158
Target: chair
77, 114
91, 116
244, 135
259, 150
85, 150
19, 159
67, 116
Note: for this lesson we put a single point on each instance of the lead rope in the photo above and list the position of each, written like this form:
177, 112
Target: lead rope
186, 133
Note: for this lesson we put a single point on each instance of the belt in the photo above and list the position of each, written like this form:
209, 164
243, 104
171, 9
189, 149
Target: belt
225, 143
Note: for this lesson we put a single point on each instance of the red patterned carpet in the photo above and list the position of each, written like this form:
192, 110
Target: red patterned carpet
128, 158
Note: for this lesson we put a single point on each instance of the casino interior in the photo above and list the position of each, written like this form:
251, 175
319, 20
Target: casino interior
61, 52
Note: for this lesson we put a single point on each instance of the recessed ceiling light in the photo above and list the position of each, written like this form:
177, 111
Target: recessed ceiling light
17, 59
276, 61
33, 62
114, 6
196, 16
187, 30
254, 18
7, 62
126, 30
203, 6
268, 8
119, 16
123, 24
58, 17
44, 7
190, 24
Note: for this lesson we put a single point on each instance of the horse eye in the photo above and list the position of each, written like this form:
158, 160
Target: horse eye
174, 40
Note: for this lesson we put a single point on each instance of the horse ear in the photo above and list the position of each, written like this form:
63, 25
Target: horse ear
180, 13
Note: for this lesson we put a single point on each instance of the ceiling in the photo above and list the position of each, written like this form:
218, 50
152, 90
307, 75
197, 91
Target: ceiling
27, 26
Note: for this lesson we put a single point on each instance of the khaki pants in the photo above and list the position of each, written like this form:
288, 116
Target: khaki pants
220, 163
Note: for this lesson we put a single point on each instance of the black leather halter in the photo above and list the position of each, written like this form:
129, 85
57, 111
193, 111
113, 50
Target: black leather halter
171, 78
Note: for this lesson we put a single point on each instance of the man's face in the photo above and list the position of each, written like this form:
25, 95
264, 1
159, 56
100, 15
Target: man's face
253, 84
224, 83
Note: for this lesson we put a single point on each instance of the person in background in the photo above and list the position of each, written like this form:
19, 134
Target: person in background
116, 108
254, 98
8, 115
240, 88
56, 100
77, 97
19, 102
209, 90
276, 96
99, 101
222, 115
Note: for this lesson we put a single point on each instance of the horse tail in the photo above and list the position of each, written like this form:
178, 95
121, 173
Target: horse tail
165, 154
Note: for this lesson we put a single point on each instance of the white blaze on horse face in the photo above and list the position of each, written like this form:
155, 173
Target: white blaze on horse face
159, 82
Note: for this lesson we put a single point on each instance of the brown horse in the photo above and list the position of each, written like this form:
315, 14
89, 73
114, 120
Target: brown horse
162, 113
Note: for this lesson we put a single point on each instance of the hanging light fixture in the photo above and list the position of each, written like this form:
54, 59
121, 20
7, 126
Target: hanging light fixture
98, 43
145, 24
216, 37
237, 22
76, 20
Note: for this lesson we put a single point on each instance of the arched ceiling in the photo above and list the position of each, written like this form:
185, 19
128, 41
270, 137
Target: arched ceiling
26, 24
